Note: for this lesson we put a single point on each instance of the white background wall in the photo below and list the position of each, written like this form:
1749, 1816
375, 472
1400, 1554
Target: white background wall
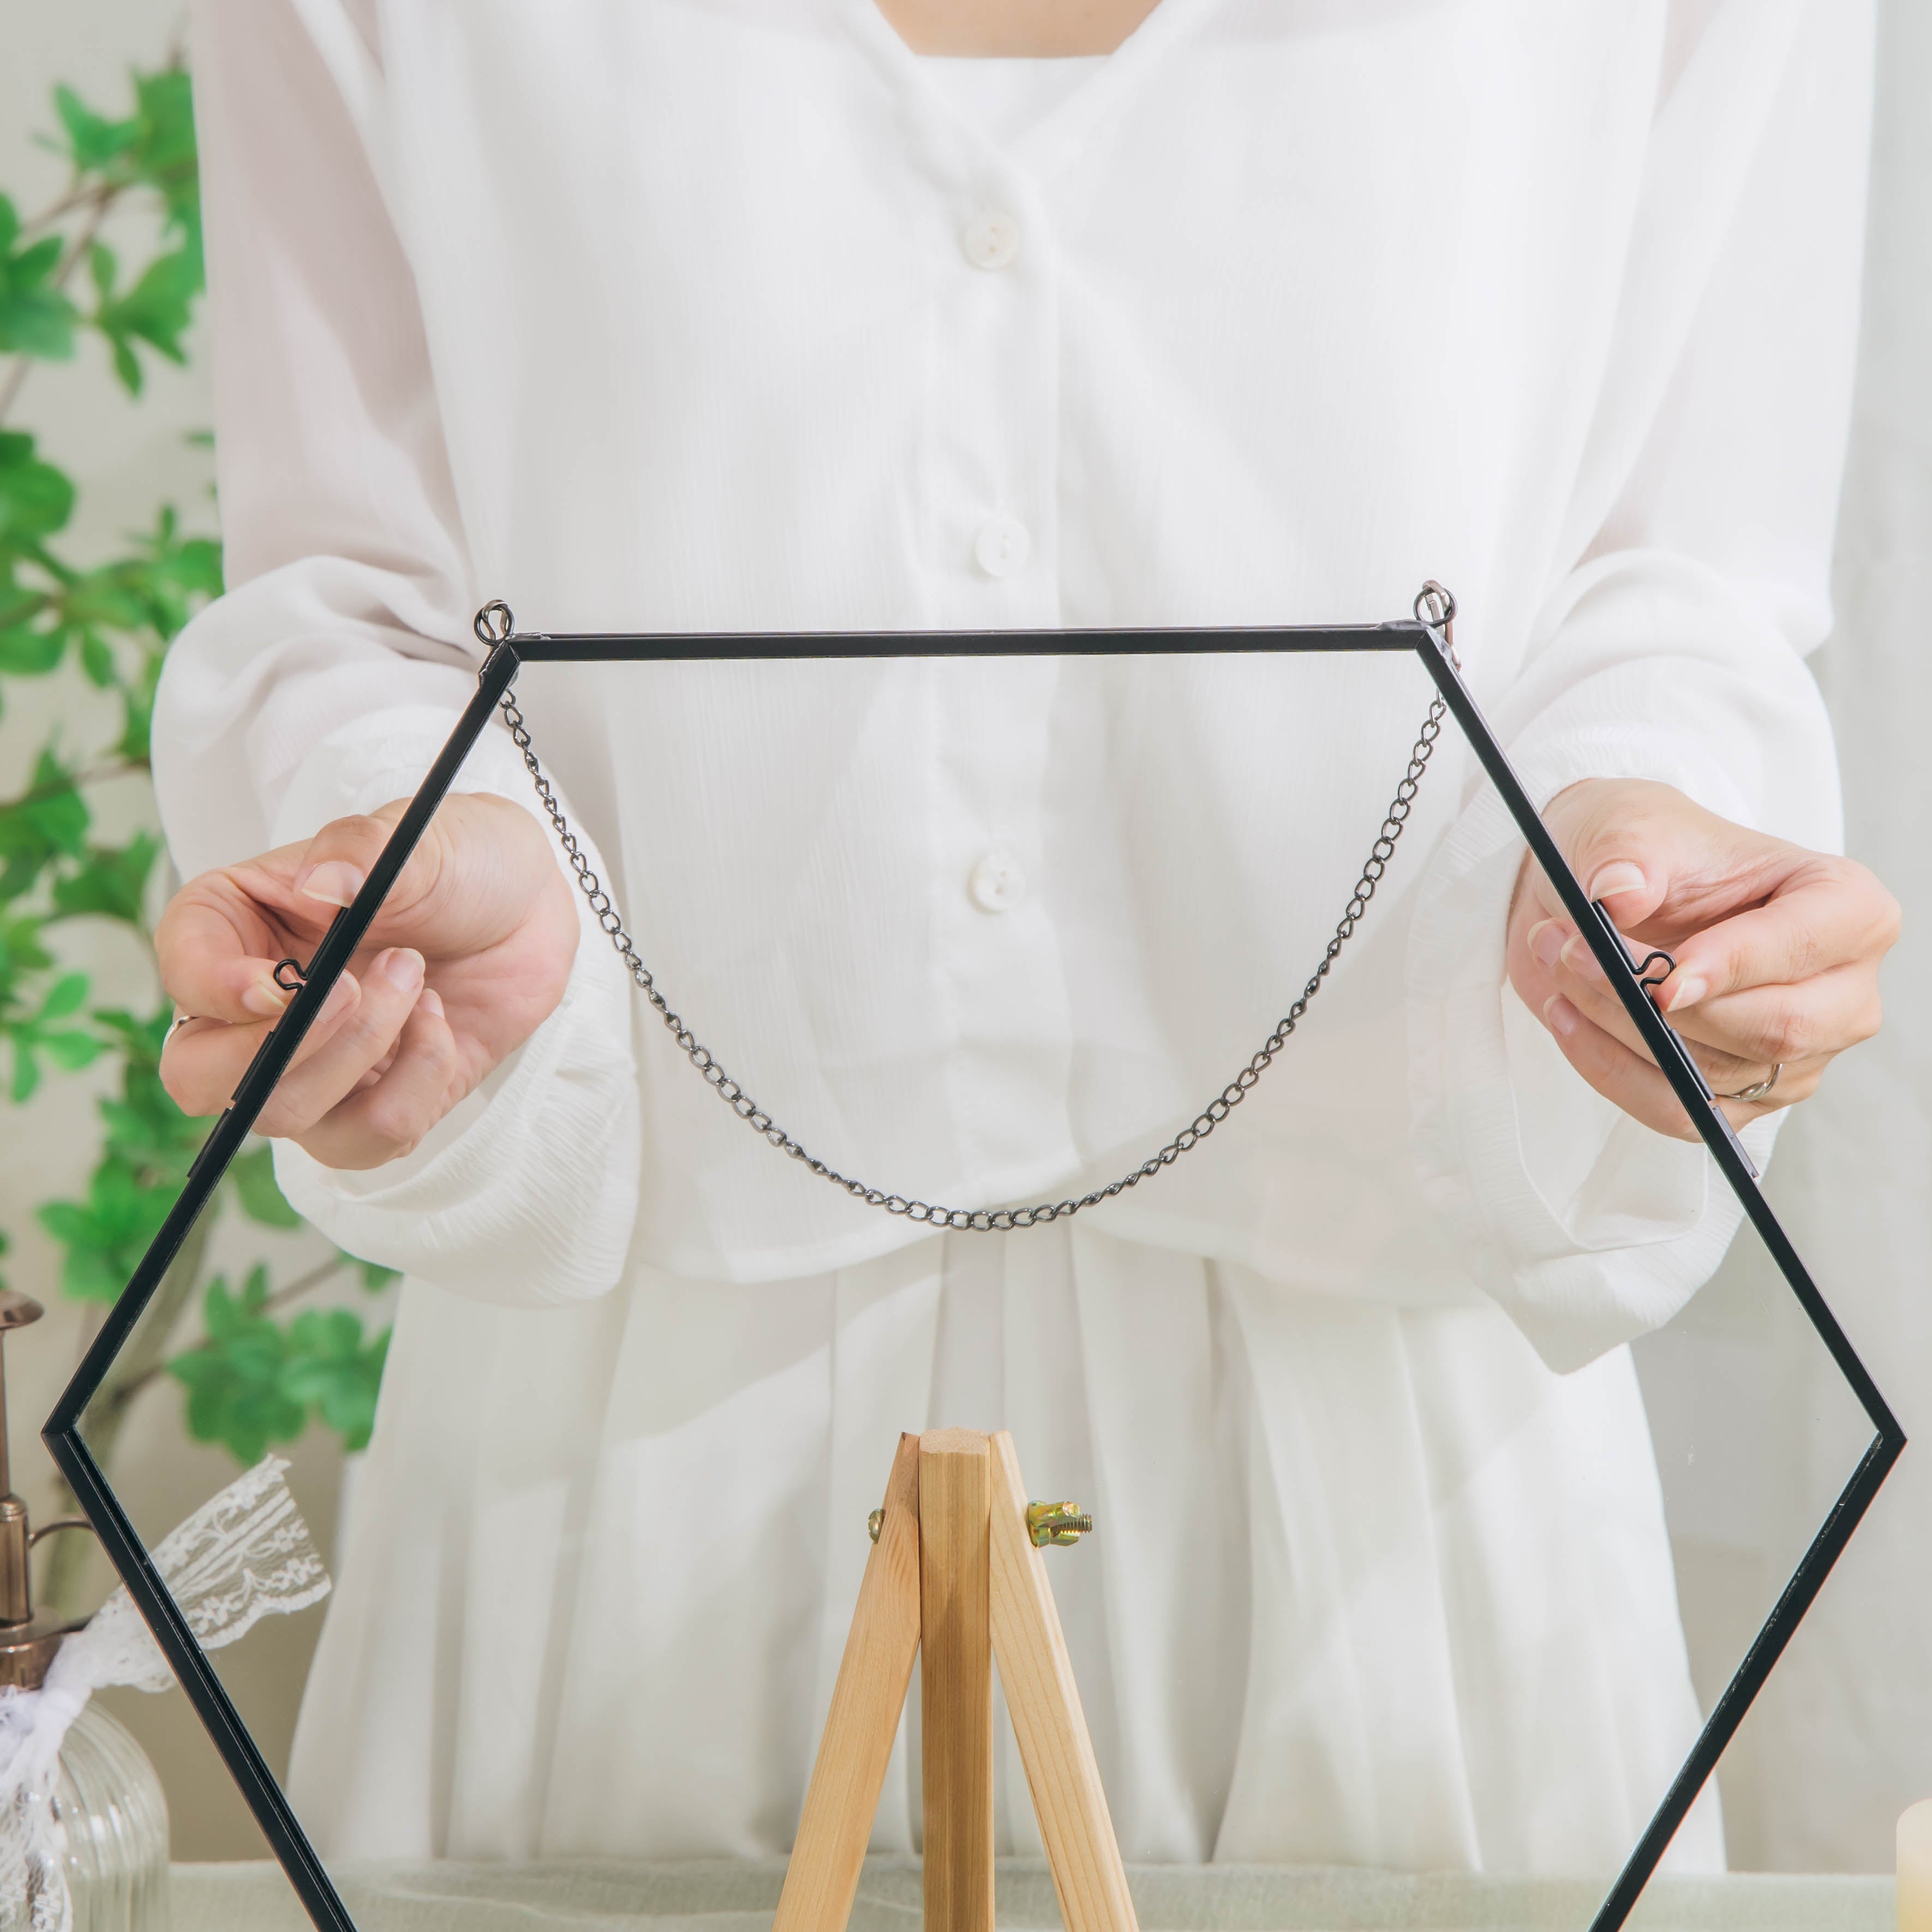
1843, 1738
1846, 1735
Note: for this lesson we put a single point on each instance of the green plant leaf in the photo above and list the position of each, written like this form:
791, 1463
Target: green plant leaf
330, 1368
21, 953
97, 660
156, 310
126, 365
36, 500
375, 1276
137, 714
111, 883
48, 822
36, 319
93, 142
153, 148
33, 1034
163, 156
67, 994
256, 1188
103, 267
27, 653
144, 1038
105, 1235
71, 1052
145, 1130
253, 1382
90, 1273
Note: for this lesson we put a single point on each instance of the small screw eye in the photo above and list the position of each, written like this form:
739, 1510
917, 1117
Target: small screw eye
495, 622
289, 975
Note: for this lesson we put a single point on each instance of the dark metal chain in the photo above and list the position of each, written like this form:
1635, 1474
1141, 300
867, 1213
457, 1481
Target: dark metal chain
984, 1220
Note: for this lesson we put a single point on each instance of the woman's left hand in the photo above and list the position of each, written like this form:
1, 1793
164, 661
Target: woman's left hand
1777, 948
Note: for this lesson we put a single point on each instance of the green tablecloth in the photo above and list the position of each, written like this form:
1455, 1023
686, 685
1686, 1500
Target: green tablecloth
738, 1897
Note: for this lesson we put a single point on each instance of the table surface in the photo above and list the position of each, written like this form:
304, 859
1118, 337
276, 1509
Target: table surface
706, 1897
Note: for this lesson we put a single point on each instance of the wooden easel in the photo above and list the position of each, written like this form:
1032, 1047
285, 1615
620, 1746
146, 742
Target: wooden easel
955, 1569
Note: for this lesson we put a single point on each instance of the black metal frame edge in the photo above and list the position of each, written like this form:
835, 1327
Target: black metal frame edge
61, 1433
1739, 1170
1183, 640
1430, 643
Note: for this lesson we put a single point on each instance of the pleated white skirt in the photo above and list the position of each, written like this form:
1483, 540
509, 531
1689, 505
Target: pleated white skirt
1369, 1585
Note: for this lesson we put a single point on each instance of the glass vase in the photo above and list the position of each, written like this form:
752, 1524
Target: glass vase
111, 1824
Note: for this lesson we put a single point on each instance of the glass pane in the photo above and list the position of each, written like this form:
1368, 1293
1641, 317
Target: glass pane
1483, 1609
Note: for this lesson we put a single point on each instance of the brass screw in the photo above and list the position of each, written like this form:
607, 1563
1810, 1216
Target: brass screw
1059, 1523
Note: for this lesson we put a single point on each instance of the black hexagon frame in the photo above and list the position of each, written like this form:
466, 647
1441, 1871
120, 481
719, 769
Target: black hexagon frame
1427, 638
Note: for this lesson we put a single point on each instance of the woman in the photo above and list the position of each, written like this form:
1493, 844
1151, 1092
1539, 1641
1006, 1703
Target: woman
730, 314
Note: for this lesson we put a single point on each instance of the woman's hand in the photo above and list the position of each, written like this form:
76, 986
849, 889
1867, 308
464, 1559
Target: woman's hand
1777, 948
468, 954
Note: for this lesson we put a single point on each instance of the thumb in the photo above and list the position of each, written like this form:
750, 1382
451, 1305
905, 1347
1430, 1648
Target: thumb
337, 864
1621, 843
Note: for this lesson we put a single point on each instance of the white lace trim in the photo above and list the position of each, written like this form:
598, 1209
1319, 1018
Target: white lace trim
244, 1555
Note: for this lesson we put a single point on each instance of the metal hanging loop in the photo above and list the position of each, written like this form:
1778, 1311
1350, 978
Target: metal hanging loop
1434, 605
496, 623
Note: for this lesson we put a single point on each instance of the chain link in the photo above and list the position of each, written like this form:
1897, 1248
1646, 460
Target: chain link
999, 1220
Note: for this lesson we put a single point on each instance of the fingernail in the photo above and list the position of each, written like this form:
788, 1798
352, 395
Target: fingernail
1684, 992
431, 1003
1619, 876
264, 997
1581, 961
1559, 1015
340, 994
335, 882
402, 967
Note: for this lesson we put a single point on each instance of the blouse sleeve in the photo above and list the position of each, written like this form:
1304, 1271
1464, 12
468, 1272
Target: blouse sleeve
1691, 581
325, 680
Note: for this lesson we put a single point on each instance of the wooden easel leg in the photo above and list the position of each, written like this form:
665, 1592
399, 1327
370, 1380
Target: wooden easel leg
955, 1570
867, 1700
956, 1680
1051, 1728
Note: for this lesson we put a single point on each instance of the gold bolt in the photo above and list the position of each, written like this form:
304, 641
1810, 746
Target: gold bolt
1060, 1523
1056, 1523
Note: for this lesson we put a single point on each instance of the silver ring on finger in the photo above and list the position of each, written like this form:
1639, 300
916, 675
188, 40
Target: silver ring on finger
1762, 1087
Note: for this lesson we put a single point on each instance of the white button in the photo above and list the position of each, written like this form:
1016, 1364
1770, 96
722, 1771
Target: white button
996, 884
1003, 546
990, 239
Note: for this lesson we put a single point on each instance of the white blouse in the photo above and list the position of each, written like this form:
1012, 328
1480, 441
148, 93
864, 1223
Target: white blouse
717, 314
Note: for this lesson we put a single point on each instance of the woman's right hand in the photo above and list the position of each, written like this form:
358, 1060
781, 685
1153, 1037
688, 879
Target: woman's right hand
470, 954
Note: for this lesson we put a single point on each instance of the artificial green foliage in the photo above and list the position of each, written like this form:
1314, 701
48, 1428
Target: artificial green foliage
35, 318
254, 1382
253, 1177
145, 1152
101, 630
153, 151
